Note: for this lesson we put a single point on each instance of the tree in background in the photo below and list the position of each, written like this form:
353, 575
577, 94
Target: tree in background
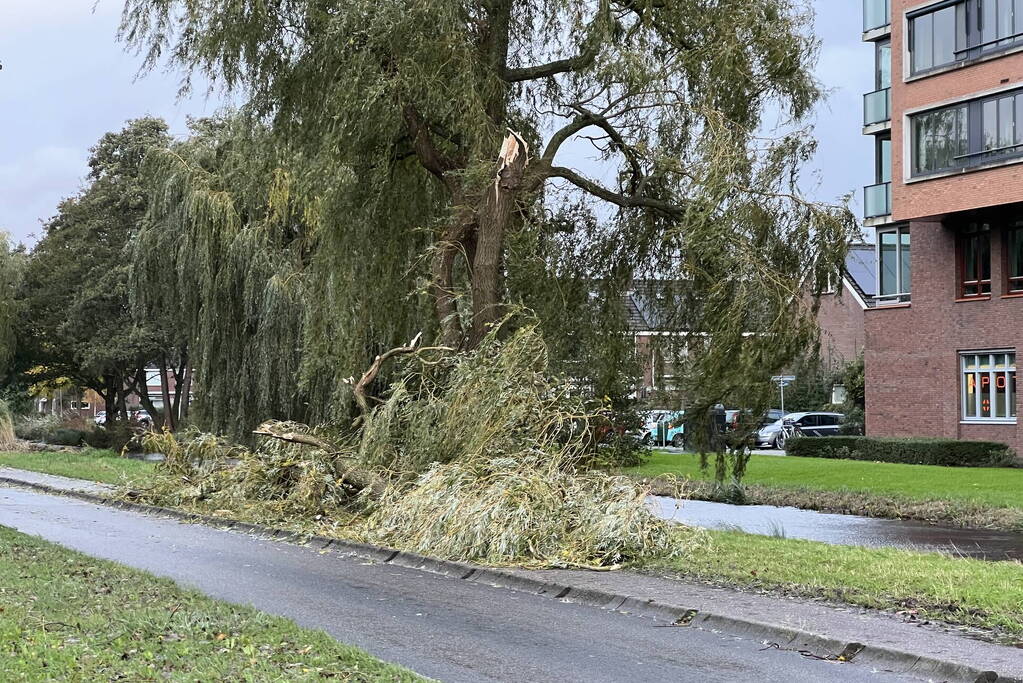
407, 166
11, 267
74, 296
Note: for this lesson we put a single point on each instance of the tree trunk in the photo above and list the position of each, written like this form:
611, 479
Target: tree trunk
168, 409
109, 399
142, 391
184, 391
494, 217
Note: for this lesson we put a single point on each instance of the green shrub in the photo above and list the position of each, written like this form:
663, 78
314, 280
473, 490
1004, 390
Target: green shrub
114, 437
6, 428
65, 437
948, 452
36, 427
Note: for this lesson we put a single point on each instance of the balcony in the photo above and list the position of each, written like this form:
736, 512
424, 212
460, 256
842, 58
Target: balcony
877, 107
877, 200
876, 13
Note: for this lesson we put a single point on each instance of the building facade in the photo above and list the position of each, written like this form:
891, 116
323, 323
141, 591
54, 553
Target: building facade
946, 120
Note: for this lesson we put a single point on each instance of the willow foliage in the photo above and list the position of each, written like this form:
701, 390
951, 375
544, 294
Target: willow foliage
404, 166
11, 264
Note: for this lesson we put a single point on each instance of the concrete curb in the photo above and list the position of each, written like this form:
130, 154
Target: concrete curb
783, 637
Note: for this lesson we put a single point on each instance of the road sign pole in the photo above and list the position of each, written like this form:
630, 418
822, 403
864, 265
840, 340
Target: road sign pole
781, 385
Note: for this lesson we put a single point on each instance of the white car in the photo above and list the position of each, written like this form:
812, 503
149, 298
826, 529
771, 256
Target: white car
100, 418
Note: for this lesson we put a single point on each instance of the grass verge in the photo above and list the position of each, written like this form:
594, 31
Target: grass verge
91, 464
928, 586
67, 616
969, 497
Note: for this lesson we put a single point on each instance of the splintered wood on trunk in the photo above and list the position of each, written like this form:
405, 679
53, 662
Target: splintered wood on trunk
494, 217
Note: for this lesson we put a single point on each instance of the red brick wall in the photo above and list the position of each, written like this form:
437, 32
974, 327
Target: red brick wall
841, 320
961, 192
912, 361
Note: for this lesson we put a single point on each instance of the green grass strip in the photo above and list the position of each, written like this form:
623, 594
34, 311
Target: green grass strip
94, 465
67, 616
994, 487
957, 590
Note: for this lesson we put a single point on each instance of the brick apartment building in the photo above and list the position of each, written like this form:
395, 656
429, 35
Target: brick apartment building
947, 123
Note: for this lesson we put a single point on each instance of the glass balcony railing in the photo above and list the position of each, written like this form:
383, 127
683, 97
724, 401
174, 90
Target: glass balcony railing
877, 200
876, 13
877, 106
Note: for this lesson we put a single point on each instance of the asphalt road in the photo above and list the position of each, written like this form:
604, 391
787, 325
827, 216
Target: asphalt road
441, 627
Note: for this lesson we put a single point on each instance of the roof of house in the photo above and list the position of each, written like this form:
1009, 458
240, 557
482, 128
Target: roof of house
861, 271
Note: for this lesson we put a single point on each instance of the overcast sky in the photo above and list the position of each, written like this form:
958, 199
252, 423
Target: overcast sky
66, 81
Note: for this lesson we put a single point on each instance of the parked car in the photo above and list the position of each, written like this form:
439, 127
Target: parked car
673, 428
142, 417
805, 424
100, 417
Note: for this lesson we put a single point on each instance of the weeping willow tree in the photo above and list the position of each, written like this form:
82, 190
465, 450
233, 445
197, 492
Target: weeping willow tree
418, 166
11, 263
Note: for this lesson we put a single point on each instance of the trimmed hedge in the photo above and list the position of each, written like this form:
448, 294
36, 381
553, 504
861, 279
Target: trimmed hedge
948, 452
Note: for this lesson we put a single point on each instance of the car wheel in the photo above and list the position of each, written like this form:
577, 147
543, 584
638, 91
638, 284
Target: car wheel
646, 439
678, 441
779, 441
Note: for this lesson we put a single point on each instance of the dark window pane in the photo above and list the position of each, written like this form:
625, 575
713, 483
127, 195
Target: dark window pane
922, 42
1015, 254
889, 262
884, 65
984, 255
989, 22
885, 160
1004, 20
939, 138
970, 259
945, 36
906, 280
990, 124
1019, 118
1006, 112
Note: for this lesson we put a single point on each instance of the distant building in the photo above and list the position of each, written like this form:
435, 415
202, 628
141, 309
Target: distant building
946, 119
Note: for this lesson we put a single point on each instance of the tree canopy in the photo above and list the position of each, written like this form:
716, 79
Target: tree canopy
74, 298
417, 166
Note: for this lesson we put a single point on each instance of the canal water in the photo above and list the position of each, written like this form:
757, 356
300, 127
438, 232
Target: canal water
789, 522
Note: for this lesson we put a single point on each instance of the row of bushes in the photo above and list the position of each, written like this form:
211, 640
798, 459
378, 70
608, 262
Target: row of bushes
948, 452
71, 432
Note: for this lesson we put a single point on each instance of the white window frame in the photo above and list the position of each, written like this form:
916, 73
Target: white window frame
963, 372
903, 295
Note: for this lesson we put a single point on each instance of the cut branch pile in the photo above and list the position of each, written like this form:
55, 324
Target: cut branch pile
477, 456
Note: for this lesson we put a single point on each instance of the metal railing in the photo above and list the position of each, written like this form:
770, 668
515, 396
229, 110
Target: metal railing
877, 106
877, 200
876, 13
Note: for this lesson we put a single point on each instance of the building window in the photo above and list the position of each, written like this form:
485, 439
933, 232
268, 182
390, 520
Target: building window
883, 65
961, 30
940, 139
1014, 260
84, 405
989, 386
893, 265
968, 134
936, 36
974, 252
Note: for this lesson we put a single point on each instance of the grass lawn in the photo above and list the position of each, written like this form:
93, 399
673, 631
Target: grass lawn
67, 616
963, 591
993, 487
91, 464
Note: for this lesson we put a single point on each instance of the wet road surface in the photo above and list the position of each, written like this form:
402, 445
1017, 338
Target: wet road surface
441, 627
792, 522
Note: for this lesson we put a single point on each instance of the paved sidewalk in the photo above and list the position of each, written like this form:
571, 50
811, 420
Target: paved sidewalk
835, 623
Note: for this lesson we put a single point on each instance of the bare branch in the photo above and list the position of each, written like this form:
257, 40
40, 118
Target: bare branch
558, 66
625, 201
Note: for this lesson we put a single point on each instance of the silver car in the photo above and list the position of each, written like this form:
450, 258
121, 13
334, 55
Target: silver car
806, 424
